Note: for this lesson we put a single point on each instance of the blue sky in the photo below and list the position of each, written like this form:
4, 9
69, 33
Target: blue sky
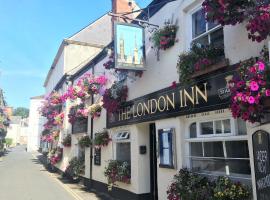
30, 34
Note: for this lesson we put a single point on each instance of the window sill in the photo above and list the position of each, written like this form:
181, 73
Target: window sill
166, 166
224, 62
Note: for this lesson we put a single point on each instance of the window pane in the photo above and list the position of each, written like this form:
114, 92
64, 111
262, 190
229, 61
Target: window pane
218, 127
166, 157
212, 25
203, 41
237, 149
123, 151
207, 128
217, 38
213, 149
198, 23
239, 166
227, 125
196, 149
242, 128
214, 165
165, 140
193, 130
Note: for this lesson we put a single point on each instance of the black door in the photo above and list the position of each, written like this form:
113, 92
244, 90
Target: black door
153, 162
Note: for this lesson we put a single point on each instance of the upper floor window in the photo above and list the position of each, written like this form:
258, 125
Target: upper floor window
205, 33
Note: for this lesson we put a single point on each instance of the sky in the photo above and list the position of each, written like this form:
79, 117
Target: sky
30, 34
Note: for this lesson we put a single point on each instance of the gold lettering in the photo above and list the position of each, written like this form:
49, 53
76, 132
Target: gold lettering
164, 103
139, 114
151, 103
170, 101
128, 112
146, 108
134, 111
124, 115
203, 95
191, 98
119, 115
181, 98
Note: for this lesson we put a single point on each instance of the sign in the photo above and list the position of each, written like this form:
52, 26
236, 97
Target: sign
97, 156
210, 93
261, 153
129, 46
80, 126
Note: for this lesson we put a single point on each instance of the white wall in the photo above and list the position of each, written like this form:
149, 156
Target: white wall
36, 122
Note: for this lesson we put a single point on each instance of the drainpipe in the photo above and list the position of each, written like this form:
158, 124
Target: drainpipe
91, 136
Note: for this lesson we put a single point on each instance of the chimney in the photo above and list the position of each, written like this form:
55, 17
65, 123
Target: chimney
123, 6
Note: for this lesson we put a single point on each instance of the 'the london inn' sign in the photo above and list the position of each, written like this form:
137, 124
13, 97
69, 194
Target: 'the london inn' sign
210, 93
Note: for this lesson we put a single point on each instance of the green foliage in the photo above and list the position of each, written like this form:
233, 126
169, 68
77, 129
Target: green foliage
8, 141
67, 141
102, 138
117, 171
21, 111
85, 141
225, 189
76, 167
187, 185
196, 59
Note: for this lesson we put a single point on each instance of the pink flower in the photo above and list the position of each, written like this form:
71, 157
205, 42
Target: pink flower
251, 100
173, 85
254, 86
261, 65
267, 92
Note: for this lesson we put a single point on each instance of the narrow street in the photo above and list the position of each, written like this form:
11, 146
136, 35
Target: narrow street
24, 178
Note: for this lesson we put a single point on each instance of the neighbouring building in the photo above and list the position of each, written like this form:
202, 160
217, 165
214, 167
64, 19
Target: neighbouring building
166, 123
36, 122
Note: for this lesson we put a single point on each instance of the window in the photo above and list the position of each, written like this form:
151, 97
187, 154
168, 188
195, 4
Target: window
205, 33
218, 154
123, 151
165, 137
122, 147
218, 127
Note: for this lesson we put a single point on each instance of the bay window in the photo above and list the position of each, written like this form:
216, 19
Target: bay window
219, 147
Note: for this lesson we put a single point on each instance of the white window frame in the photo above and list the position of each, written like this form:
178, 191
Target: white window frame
214, 138
115, 141
207, 32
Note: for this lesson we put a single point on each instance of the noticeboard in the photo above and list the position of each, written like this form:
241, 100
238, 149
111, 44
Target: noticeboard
260, 140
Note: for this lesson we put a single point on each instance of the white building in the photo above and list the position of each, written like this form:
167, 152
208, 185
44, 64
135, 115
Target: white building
36, 122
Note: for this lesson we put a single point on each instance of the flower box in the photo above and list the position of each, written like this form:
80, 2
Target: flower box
211, 68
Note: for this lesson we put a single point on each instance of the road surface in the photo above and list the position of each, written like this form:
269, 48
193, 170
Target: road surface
22, 177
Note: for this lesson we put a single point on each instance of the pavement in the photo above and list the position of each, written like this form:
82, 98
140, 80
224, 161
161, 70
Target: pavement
23, 177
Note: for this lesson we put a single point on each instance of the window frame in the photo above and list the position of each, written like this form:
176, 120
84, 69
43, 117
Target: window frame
171, 143
118, 140
207, 31
225, 137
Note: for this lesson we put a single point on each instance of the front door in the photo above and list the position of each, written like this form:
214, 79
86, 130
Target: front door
153, 162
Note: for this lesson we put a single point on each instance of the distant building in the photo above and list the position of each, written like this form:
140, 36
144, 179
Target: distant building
36, 122
13, 131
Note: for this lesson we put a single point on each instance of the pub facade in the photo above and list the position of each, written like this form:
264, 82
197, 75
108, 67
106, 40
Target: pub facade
172, 117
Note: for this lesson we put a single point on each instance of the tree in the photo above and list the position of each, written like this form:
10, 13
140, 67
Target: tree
8, 141
21, 111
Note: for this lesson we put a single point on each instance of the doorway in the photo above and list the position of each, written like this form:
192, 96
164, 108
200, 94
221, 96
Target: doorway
153, 162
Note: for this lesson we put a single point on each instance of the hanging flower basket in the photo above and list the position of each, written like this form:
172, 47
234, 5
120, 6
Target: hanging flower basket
77, 112
198, 61
102, 139
259, 23
115, 96
95, 110
227, 12
85, 141
250, 90
110, 64
165, 37
67, 141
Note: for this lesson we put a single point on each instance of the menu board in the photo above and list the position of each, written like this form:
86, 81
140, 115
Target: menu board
97, 156
261, 153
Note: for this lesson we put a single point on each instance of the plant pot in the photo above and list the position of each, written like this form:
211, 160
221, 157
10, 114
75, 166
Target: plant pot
224, 62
